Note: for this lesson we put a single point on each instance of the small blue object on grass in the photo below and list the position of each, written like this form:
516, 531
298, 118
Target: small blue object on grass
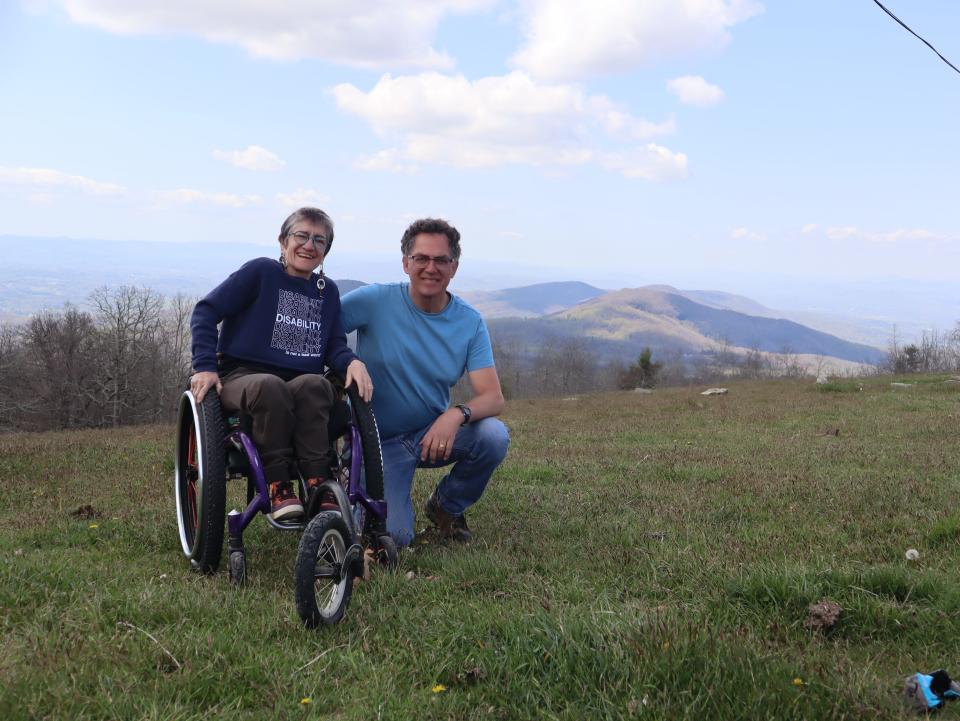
927, 692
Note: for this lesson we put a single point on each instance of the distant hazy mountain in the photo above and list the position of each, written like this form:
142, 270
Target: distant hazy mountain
621, 323
346, 285
728, 301
869, 331
545, 298
530, 300
68, 269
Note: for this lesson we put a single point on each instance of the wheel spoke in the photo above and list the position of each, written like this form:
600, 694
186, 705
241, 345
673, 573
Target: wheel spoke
329, 574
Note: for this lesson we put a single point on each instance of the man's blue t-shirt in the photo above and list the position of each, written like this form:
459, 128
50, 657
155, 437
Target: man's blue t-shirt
414, 358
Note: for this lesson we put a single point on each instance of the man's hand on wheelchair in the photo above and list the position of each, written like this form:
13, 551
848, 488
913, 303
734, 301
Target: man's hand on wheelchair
203, 381
357, 373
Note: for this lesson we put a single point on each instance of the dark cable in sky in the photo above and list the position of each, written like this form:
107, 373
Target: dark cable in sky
916, 36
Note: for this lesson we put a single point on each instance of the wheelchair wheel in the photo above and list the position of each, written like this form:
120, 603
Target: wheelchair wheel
325, 569
200, 480
362, 416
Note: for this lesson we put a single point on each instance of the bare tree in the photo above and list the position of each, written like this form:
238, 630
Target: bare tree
11, 362
563, 366
58, 368
173, 357
129, 322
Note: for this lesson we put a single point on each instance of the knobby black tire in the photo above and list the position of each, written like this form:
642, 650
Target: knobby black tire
370, 440
313, 611
207, 538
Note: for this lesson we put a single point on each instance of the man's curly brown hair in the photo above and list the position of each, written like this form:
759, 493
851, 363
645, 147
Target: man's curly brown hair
431, 225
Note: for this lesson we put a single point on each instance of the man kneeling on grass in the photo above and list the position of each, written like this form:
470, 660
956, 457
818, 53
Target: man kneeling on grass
417, 339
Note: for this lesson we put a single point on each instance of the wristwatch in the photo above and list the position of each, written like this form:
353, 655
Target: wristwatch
465, 409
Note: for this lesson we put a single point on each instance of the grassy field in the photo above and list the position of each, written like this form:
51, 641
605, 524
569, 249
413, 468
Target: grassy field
637, 556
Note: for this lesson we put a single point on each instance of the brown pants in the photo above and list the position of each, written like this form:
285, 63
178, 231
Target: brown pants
289, 420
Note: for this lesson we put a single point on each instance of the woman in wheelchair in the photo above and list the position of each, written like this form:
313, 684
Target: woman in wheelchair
279, 327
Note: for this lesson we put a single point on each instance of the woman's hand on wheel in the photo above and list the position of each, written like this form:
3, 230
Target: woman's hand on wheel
357, 373
203, 381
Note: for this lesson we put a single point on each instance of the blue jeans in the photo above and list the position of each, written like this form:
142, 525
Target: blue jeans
478, 449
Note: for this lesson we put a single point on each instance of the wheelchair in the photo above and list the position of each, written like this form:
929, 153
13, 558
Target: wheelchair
212, 449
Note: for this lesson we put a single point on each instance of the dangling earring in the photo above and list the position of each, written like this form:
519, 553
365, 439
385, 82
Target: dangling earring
321, 281
283, 261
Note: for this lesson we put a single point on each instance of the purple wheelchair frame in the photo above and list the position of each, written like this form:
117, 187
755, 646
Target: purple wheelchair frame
260, 503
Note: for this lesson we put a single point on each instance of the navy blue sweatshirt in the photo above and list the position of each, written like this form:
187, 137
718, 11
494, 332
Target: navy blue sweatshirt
271, 321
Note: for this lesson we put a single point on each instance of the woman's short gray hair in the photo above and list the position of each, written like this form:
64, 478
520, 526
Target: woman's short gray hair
310, 215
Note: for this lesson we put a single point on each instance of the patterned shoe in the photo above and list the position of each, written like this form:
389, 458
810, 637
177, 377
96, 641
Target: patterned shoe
284, 504
327, 502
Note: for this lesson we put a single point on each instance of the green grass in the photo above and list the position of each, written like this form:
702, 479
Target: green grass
637, 556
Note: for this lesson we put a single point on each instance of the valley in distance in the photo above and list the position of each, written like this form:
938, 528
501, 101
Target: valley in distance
616, 324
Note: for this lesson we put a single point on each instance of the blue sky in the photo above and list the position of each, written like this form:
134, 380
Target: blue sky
713, 143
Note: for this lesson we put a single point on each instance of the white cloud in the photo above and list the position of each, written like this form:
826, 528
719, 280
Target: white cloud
503, 120
390, 160
571, 39
901, 235
374, 33
808, 228
46, 177
650, 162
186, 196
302, 197
841, 233
253, 158
747, 234
694, 90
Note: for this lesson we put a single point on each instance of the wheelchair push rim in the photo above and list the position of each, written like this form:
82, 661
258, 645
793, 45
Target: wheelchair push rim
187, 473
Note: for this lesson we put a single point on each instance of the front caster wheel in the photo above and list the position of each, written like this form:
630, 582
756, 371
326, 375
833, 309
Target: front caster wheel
325, 569
385, 552
238, 568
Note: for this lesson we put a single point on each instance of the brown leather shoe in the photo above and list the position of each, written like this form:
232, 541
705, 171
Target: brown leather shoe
450, 526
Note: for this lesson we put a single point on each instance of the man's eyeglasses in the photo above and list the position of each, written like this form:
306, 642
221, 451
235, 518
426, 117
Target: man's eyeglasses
420, 261
302, 237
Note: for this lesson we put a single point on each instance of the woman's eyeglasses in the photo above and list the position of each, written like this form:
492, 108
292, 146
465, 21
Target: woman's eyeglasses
301, 237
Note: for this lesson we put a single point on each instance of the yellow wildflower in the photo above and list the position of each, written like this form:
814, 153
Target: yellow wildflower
306, 701
439, 688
